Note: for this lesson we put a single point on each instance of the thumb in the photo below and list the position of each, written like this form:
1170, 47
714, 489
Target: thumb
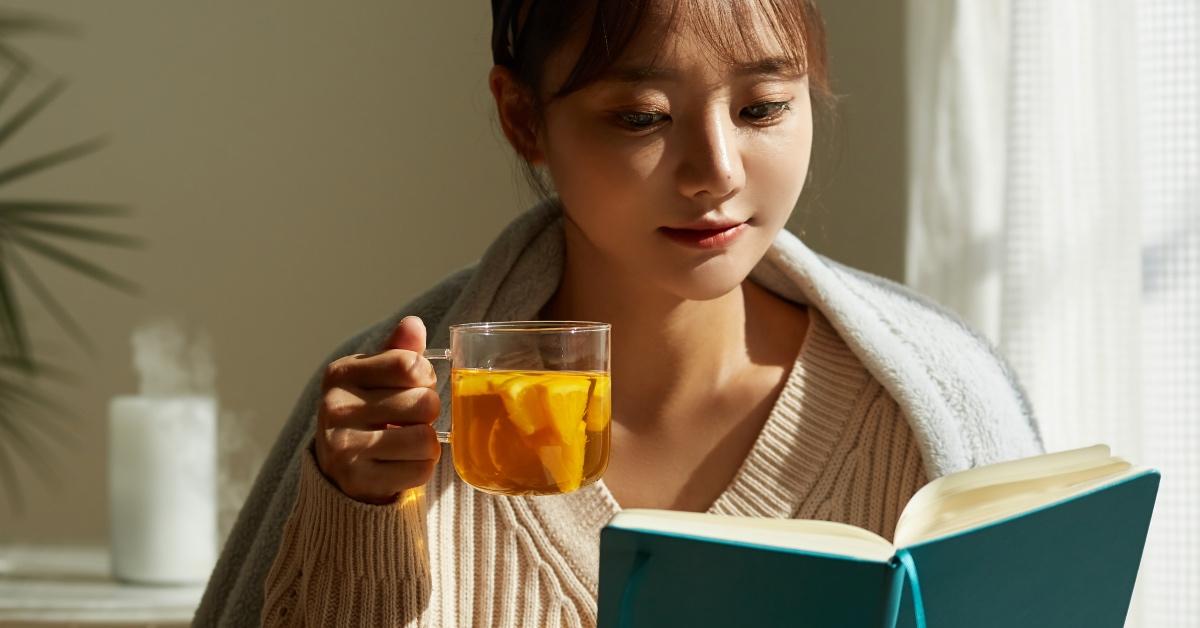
409, 334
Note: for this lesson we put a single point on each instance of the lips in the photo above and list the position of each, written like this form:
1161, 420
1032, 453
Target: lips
705, 236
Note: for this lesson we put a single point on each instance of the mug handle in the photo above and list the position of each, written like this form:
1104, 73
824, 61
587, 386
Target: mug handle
439, 354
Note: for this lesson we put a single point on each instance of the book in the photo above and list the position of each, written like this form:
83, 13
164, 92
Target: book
1050, 540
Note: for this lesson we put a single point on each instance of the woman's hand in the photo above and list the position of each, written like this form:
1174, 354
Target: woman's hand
374, 435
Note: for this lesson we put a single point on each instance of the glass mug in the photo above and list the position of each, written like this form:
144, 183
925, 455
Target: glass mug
531, 405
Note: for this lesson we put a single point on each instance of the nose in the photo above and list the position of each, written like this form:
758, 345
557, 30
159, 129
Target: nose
710, 169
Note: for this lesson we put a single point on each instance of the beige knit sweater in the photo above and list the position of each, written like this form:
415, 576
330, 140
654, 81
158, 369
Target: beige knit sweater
835, 446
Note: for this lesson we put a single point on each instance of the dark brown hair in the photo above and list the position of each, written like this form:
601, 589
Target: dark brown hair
525, 33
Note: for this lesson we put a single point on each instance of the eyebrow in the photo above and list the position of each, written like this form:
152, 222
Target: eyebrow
771, 66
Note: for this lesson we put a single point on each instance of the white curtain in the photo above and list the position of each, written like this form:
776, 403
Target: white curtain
1055, 204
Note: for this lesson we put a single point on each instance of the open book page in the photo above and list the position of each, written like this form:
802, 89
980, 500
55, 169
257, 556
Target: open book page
964, 500
814, 536
950, 504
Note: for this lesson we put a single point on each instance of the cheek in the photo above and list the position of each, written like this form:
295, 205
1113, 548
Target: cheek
776, 171
596, 165
605, 181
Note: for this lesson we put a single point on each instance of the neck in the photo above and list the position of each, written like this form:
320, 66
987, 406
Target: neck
664, 347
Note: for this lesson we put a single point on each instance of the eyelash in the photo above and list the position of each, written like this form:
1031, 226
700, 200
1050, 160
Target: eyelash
777, 110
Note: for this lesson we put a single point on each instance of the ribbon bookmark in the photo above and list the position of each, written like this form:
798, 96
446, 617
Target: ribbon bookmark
910, 568
625, 620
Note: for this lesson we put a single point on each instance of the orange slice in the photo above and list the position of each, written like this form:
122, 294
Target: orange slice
566, 401
547, 411
564, 460
473, 383
481, 414
518, 467
599, 410
522, 402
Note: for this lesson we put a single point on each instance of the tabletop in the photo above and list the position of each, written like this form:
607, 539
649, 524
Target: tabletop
72, 586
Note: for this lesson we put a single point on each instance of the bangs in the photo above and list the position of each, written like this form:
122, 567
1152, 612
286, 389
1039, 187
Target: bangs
794, 30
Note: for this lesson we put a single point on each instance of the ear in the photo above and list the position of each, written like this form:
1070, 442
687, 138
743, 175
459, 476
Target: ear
515, 105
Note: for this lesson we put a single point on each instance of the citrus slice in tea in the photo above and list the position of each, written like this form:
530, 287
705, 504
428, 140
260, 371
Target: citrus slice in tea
481, 383
517, 465
599, 405
522, 401
564, 459
562, 449
566, 399
548, 410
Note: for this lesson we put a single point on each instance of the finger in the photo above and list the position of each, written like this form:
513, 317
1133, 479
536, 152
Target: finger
408, 334
370, 410
405, 442
409, 406
382, 482
394, 368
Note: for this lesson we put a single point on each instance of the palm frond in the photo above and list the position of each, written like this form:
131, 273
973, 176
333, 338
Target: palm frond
11, 80
8, 476
49, 160
24, 393
30, 421
31, 109
86, 234
62, 208
56, 309
20, 441
52, 420
12, 326
74, 262
45, 370
15, 58
13, 23
23, 23
20, 434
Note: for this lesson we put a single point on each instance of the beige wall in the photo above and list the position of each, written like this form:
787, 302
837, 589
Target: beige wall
860, 216
299, 170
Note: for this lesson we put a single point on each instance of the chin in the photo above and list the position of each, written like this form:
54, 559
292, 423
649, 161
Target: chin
712, 279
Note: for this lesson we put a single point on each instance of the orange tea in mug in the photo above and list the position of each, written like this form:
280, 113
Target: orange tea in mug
530, 432
531, 405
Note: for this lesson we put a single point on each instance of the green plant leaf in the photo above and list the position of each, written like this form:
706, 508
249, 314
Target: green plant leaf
45, 370
17, 59
86, 234
17, 23
38, 417
24, 393
8, 474
24, 439
74, 262
60, 314
11, 322
23, 432
31, 109
49, 160
66, 208
14, 78
20, 411
21, 23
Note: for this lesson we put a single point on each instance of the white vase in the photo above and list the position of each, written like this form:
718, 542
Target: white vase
162, 480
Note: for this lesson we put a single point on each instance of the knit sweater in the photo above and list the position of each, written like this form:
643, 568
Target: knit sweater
835, 447
957, 395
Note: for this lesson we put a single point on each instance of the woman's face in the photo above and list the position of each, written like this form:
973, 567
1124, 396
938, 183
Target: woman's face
678, 173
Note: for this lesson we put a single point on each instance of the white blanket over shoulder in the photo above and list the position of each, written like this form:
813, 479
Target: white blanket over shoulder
963, 402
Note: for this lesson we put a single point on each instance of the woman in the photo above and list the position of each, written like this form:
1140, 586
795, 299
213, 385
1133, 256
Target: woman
750, 375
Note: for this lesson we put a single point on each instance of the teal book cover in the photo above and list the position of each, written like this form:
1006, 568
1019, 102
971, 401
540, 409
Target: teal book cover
1070, 563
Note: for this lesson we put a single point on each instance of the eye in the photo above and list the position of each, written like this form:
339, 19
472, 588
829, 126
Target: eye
639, 120
765, 111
